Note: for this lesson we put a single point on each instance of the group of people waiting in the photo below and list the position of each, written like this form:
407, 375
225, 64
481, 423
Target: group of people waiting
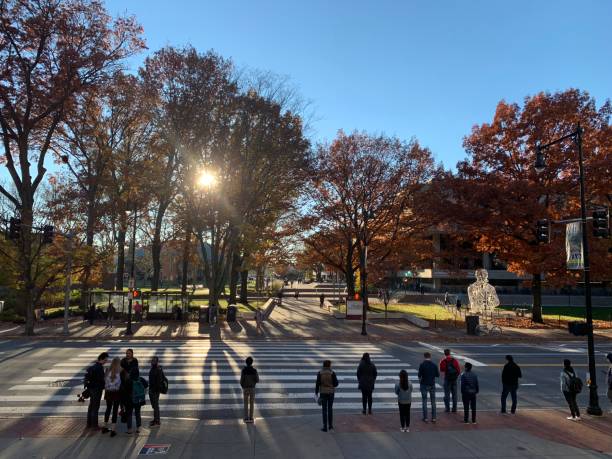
124, 389
124, 392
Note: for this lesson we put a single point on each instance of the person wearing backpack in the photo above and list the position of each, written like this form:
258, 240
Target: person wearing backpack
609, 359
451, 369
133, 397
94, 383
403, 390
366, 377
571, 386
112, 395
469, 389
248, 380
510, 382
326, 384
158, 384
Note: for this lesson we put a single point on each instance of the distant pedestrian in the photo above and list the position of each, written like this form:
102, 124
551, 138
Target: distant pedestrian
366, 377
94, 383
422, 290
327, 381
248, 380
92, 313
259, 319
458, 305
110, 315
609, 358
469, 389
428, 372
571, 386
112, 395
157, 385
297, 294
446, 302
403, 390
138, 311
510, 382
451, 369
280, 297
322, 300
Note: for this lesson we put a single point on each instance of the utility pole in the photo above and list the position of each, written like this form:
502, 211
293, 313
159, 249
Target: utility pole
68, 287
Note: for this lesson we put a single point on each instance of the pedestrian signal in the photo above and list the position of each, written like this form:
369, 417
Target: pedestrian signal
601, 223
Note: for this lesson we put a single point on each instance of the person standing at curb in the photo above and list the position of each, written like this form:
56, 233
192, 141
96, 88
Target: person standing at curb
510, 376
158, 384
259, 319
133, 397
403, 390
94, 382
428, 372
366, 377
571, 386
248, 380
469, 389
327, 381
112, 384
129, 362
322, 300
451, 369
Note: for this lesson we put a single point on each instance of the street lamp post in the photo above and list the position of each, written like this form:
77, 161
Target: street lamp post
364, 275
128, 330
540, 164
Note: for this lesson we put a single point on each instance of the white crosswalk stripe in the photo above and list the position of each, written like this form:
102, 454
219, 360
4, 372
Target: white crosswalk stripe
205, 376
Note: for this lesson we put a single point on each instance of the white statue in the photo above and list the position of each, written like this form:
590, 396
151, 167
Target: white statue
481, 294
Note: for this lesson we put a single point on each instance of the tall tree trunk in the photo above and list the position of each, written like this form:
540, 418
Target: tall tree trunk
349, 272
27, 242
156, 245
259, 279
537, 299
89, 239
363, 276
120, 258
244, 286
185, 268
233, 278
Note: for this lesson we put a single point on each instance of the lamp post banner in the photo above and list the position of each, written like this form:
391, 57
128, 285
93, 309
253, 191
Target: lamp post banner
573, 246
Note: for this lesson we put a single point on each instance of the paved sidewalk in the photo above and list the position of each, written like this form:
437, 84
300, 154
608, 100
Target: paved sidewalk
532, 434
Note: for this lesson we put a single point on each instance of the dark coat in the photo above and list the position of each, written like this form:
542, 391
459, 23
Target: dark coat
469, 383
156, 376
511, 374
428, 372
97, 377
249, 377
366, 375
129, 366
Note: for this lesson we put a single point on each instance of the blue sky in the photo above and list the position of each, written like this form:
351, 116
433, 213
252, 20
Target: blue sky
430, 69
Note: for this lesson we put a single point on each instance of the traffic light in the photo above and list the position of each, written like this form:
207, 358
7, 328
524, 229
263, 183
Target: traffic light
136, 294
14, 228
543, 231
48, 233
601, 223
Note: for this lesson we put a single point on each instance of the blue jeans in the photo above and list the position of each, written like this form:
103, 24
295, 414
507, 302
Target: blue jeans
450, 391
327, 403
431, 390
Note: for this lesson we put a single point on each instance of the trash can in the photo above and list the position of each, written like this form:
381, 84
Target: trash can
203, 317
232, 310
471, 323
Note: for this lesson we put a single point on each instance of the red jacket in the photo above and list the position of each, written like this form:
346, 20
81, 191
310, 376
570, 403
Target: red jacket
445, 361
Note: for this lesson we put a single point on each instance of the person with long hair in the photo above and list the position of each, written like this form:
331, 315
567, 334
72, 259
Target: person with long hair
568, 375
112, 384
366, 377
403, 390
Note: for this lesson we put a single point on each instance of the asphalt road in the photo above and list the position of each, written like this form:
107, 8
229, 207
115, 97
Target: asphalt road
44, 378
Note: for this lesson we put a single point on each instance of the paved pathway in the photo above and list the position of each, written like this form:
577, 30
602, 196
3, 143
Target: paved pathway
204, 377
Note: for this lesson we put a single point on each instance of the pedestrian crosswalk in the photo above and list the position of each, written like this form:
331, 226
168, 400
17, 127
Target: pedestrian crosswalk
205, 377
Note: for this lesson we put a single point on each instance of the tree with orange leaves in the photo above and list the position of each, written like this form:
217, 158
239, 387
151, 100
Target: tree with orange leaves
497, 196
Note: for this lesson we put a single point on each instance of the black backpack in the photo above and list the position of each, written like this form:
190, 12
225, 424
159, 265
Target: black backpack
88, 377
163, 387
575, 383
451, 372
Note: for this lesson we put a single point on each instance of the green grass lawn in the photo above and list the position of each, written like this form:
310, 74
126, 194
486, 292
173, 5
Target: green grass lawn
569, 313
424, 311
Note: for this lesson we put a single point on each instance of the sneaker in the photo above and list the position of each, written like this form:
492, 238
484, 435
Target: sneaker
503, 413
454, 410
113, 433
402, 430
324, 429
447, 410
152, 423
104, 430
473, 422
369, 411
571, 418
466, 422
129, 432
578, 418
363, 411
137, 431
407, 429
331, 427
433, 420
425, 420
